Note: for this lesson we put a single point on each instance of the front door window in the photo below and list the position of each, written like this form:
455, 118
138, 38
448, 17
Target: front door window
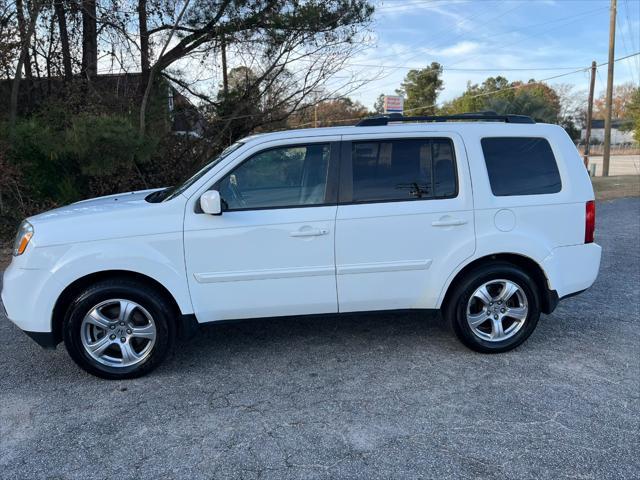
280, 177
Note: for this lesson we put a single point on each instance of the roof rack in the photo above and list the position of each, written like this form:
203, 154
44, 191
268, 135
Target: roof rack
486, 116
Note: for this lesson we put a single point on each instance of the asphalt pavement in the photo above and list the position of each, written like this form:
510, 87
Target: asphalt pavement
362, 397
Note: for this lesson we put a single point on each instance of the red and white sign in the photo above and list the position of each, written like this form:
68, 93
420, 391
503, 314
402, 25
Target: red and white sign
393, 104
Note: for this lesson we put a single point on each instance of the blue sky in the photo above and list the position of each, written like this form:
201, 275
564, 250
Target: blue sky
481, 38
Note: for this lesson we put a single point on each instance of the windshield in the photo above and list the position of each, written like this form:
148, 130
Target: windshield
172, 192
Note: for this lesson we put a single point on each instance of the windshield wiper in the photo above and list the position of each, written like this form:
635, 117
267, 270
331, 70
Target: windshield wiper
158, 195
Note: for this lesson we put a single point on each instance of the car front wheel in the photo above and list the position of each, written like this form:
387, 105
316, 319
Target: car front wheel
118, 329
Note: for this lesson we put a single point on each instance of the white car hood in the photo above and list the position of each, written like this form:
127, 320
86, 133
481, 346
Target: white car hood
95, 206
116, 216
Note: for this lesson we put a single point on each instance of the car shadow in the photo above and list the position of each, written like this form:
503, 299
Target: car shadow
343, 334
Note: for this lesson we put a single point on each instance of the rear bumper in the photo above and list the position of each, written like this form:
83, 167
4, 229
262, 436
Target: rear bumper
571, 270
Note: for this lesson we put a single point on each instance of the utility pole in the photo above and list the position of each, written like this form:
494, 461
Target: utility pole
587, 136
609, 99
225, 79
315, 116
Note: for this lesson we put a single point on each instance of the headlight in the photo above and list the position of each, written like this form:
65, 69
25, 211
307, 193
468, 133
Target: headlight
25, 232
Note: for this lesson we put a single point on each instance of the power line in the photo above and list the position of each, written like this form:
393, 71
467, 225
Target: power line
451, 69
410, 48
484, 94
631, 37
458, 24
570, 18
234, 117
455, 38
630, 66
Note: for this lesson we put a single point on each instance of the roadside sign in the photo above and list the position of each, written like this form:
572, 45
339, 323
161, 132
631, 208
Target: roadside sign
393, 104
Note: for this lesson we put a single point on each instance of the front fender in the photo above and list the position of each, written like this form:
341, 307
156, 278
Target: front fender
52, 269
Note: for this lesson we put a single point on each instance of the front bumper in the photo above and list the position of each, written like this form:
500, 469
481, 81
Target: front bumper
44, 339
27, 298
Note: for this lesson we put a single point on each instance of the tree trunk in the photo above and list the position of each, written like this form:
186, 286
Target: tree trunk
225, 78
22, 28
24, 52
64, 38
152, 73
89, 39
145, 66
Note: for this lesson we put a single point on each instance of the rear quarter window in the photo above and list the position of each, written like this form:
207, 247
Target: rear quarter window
521, 166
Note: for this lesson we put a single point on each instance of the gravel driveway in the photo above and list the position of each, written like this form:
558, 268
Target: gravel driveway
351, 397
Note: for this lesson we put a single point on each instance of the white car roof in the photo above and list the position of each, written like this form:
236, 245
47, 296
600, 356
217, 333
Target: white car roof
473, 127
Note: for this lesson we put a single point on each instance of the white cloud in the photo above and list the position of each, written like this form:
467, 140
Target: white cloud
461, 48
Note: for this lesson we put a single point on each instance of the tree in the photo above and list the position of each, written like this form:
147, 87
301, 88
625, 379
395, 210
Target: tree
622, 97
378, 106
273, 34
64, 38
25, 41
24, 38
526, 102
573, 109
633, 111
532, 98
89, 38
10, 36
475, 97
145, 64
421, 88
331, 112
536, 100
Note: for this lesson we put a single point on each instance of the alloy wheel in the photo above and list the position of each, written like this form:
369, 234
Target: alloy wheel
497, 310
118, 333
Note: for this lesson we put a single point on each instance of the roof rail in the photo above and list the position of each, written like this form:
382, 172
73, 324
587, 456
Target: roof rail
486, 116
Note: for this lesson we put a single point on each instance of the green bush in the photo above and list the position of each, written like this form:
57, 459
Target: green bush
103, 145
58, 159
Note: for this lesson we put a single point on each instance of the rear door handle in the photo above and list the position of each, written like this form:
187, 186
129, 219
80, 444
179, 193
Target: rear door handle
311, 232
451, 222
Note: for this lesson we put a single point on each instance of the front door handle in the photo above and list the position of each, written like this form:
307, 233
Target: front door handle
449, 222
310, 232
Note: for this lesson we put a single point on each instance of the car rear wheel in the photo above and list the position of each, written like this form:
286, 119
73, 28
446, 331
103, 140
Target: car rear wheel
119, 329
494, 308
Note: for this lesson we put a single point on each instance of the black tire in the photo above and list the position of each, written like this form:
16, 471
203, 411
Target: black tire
455, 310
153, 302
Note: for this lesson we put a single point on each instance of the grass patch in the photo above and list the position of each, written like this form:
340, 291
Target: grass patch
608, 188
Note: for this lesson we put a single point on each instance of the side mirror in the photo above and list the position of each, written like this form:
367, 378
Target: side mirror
210, 202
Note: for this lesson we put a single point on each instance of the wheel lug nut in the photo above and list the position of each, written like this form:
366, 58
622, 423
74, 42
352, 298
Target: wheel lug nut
502, 310
123, 339
495, 317
490, 304
112, 336
112, 327
122, 324
129, 331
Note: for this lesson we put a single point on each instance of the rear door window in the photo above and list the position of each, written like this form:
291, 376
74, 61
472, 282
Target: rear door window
521, 166
396, 170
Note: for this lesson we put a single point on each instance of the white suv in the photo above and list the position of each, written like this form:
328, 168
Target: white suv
488, 218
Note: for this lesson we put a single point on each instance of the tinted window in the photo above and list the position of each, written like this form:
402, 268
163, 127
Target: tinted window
521, 166
280, 177
403, 170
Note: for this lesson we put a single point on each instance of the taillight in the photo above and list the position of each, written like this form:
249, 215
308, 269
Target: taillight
590, 222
